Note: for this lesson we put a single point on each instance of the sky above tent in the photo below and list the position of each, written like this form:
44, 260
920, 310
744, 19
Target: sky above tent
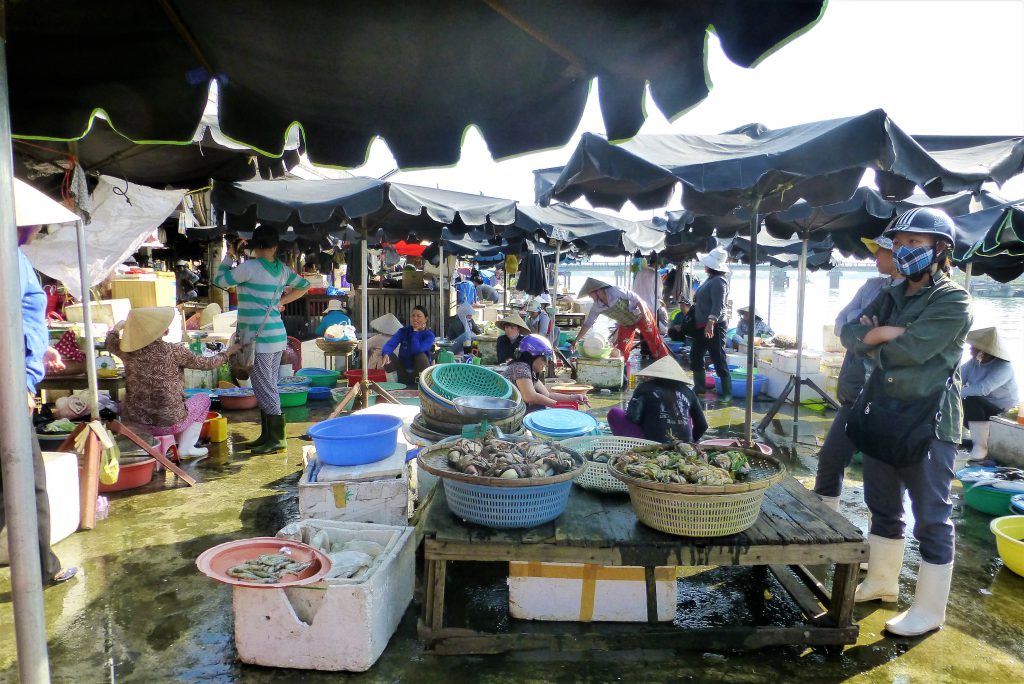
944, 67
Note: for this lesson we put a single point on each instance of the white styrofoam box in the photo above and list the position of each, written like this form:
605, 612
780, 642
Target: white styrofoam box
601, 373
831, 387
776, 380
831, 367
764, 356
818, 379
312, 355
1006, 442
587, 593
106, 311
62, 495
785, 360
831, 342
225, 322
200, 379
335, 625
371, 493
734, 359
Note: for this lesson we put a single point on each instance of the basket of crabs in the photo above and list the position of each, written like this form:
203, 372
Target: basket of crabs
503, 482
696, 490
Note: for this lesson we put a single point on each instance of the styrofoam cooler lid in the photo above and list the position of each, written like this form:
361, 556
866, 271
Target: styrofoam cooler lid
560, 422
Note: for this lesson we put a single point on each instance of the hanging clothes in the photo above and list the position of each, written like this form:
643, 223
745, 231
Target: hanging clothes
532, 276
647, 287
354, 259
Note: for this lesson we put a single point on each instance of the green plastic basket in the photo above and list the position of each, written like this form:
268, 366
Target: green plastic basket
452, 380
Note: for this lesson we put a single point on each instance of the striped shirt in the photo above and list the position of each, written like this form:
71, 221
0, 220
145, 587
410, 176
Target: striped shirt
257, 280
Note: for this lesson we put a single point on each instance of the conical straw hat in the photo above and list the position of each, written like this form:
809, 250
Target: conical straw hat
145, 325
208, 314
388, 324
516, 320
590, 285
667, 368
988, 341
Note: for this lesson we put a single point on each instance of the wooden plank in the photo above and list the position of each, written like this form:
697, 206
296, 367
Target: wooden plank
792, 554
812, 583
844, 586
843, 527
808, 602
807, 513
465, 642
580, 524
652, 595
437, 596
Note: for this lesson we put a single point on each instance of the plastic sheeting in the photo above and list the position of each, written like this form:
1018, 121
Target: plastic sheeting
123, 216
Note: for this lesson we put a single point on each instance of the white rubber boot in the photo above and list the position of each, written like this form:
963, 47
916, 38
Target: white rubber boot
882, 583
928, 611
831, 502
979, 438
187, 442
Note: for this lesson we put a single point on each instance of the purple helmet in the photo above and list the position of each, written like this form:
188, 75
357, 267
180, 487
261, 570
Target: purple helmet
536, 345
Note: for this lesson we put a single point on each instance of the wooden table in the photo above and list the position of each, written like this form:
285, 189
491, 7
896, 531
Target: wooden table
794, 530
77, 382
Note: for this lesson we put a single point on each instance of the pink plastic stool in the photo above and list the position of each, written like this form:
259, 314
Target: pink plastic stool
165, 443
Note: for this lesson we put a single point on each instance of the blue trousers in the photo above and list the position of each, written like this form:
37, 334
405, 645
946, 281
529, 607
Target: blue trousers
835, 455
928, 484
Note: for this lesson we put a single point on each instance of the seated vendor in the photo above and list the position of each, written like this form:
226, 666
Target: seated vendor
663, 407
484, 292
385, 326
516, 330
537, 317
989, 385
334, 315
409, 350
682, 326
526, 373
461, 328
154, 385
761, 328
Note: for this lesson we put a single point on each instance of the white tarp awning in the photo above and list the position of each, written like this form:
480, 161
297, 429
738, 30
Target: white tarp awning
123, 216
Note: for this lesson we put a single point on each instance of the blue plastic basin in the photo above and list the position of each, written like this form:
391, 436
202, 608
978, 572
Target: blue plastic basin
739, 386
355, 440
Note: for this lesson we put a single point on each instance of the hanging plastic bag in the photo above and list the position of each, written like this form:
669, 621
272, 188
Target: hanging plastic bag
110, 465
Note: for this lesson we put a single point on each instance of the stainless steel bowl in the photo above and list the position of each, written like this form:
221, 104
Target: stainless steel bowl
485, 408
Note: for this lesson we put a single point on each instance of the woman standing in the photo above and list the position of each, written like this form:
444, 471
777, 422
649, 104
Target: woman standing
154, 387
709, 319
837, 450
409, 350
989, 386
265, 285
914, 334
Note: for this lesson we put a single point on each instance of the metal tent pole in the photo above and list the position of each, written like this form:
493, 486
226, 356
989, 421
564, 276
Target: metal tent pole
440, 289
90, 349
748, 416
15, 440
364, 312
554, 298
968, 272
769, 321
801, 293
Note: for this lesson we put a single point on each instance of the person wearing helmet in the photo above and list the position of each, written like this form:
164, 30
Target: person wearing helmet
187, 280
628, 310
837, 451
525, 374
913, 333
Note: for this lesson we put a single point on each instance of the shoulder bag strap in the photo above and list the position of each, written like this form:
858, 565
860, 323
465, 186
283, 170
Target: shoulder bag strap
277, 294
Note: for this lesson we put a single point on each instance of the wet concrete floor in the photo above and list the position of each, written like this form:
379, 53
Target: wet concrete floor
140, 612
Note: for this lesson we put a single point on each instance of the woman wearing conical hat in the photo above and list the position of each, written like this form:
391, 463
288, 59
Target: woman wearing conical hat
628, 310
154, 387
515, 330
989, 385
663, 406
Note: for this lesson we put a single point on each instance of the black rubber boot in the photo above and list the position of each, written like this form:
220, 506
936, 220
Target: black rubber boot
726, 388
275, 436
262, 439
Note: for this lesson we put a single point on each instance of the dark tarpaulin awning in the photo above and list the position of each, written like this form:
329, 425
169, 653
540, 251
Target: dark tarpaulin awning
821, 162
415, 73
992, 241
394, 210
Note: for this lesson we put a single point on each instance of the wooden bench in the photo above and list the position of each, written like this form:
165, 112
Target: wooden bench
794, 530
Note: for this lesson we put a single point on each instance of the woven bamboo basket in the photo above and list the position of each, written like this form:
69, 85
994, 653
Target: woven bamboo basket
595, 475
342, 347
691, 510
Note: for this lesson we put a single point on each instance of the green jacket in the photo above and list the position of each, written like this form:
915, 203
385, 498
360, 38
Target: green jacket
927, 356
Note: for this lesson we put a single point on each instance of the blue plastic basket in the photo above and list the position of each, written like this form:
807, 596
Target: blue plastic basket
739, 386
507, 507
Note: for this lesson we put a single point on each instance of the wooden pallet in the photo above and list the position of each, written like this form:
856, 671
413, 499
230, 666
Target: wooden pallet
794, 530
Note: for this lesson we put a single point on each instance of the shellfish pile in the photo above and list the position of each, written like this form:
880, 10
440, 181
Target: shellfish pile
682, 463
269, 568
492, 457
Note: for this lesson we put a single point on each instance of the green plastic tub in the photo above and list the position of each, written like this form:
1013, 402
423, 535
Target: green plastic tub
988, 500
290, 397
320, 377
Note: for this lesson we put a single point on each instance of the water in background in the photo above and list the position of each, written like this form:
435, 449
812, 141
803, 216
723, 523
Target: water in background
823, 302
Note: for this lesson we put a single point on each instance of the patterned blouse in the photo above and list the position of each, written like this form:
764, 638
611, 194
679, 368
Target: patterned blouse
519, 370
154, 386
